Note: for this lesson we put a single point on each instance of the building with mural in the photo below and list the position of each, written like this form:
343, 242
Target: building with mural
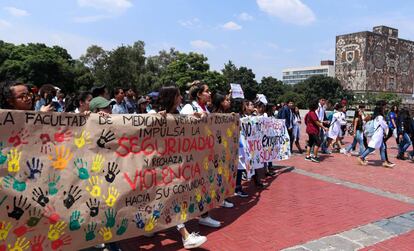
375, 61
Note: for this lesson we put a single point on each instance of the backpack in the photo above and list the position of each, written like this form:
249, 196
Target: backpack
370, 128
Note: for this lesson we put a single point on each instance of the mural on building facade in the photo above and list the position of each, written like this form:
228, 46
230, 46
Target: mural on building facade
375, 61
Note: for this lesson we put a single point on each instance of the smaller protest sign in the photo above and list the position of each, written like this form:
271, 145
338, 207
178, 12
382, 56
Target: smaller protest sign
236, 91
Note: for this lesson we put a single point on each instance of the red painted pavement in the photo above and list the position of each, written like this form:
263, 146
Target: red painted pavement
397, 180
293, 210
403, 242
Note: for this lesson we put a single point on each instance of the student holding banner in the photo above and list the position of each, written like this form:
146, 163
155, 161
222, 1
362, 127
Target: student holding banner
168, 102
200, 95
16, 96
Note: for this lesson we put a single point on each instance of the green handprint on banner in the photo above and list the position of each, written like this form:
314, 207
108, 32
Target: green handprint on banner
19, 186
3, 158
52, 184
110, 215
90, 231
75, 221
82, 167
123, 227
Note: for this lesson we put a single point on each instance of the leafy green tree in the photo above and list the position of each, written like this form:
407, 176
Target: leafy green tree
184, 69
320, 86
37, 64
273, 89
243, 76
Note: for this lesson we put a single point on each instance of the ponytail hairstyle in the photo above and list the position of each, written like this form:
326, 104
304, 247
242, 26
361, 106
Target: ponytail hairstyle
196, 88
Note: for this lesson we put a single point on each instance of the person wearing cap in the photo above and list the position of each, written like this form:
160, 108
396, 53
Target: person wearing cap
100, 104
142, 105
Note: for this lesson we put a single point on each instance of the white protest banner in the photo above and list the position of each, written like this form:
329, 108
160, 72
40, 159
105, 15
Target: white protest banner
236, 91
264, 139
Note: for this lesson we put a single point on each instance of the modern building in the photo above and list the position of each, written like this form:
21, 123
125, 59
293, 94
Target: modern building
376, 61
296, 75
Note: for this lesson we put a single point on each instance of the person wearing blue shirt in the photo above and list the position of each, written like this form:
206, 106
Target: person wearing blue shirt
120, 106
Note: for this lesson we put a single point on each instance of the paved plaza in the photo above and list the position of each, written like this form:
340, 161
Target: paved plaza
333, 205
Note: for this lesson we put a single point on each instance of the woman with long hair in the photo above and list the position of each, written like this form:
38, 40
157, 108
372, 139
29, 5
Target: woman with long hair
357, 123
79, 103
168, 102
377, 140
297, 121
200, 96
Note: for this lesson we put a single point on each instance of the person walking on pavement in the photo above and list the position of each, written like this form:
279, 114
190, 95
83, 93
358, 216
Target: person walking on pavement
377, 140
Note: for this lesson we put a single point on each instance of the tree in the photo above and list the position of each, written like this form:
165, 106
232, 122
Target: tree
273, 89
243, 76
320, 86
37, 64
184, 69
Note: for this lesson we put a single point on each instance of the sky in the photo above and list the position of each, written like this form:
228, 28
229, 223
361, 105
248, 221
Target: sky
264, 35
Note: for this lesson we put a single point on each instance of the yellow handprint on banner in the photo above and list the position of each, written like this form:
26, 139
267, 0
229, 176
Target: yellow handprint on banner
13, 158
150, 224
4, 230
56, 230
95, 190
113, 195
20, 245
82, 139
97, 163
106, 233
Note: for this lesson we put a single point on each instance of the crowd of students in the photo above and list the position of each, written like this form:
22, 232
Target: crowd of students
325, 132
370, 131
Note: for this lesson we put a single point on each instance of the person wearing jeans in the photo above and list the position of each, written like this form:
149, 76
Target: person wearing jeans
404, 132
377, 139
358, 133
371, 149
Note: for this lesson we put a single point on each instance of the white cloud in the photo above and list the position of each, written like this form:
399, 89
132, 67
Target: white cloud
89, 19
272, 45
290, 11
74, 43
195, 22
231, 26
201, 45
116, 6
16, 12
4, 24
244, 17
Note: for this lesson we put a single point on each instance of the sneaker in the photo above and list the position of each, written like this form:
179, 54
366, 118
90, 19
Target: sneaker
241, 194
343, 151
100, 246
362, 162
227, 204
209, 222
388, 164
401, 157
308, 158
315, 159
194, 240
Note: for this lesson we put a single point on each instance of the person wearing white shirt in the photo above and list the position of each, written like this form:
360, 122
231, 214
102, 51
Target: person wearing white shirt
377, 139
200, 95
334, 132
